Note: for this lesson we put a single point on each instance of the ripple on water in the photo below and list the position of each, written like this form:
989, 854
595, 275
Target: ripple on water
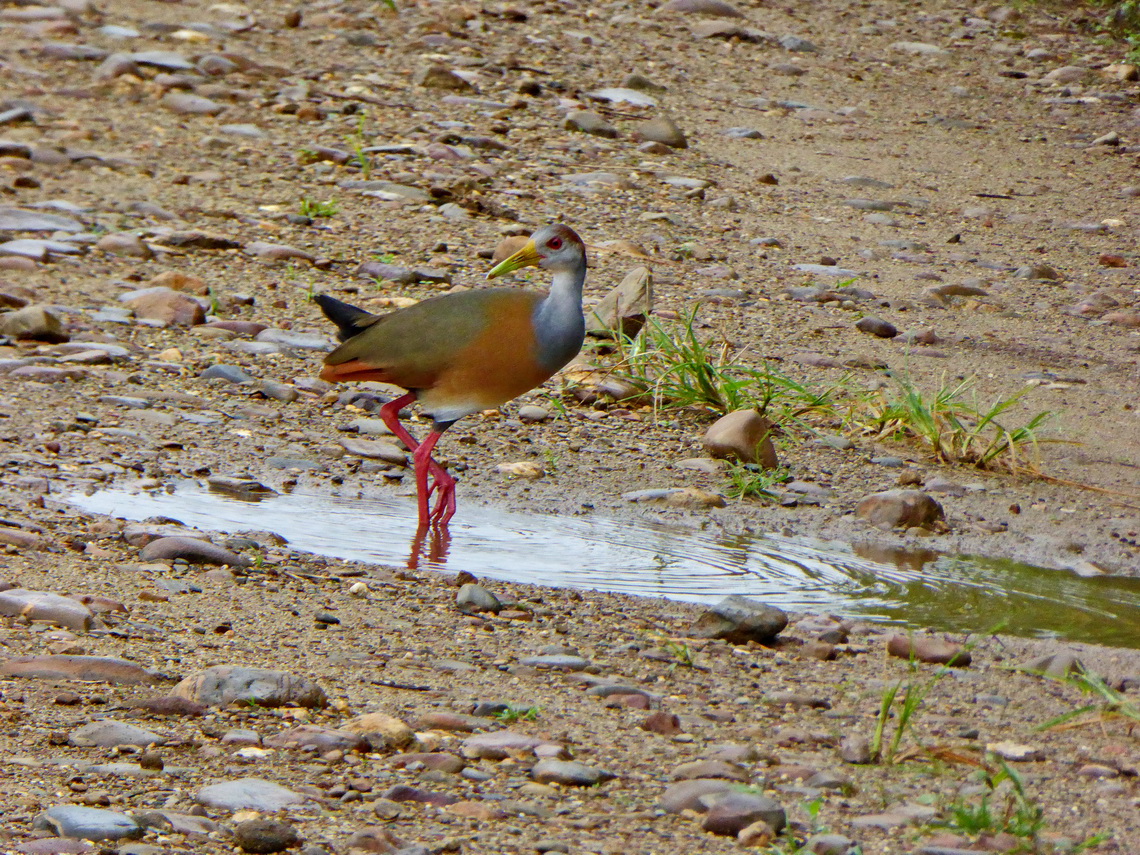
909, 587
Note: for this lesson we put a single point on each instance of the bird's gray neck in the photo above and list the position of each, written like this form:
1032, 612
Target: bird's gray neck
558, 321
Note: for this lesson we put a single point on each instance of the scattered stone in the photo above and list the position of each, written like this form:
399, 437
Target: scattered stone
87, 823
744, 435
109, 733
625, 308
663, 130
473, 598
223, 685
192, 550
900, 509
383, 732
46, 607
739, 620
499, 745
33, 323
730, 812
712, 8
690, 795
170, 307
709, 769
589, 122
249, 794
877, 327
87, 668
569, 773
925, 648
265, 835
192, 105
856, 749
1057, 665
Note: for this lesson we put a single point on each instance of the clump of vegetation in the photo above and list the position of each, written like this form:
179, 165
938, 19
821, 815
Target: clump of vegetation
312, 208
751, 481
678, 367
952, 423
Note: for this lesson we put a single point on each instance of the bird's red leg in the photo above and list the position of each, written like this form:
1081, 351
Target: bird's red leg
424, 464
390, 413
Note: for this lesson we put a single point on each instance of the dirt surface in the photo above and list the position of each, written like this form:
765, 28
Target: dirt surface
988, 154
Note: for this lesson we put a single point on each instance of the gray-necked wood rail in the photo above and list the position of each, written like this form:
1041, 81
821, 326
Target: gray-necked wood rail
458, 354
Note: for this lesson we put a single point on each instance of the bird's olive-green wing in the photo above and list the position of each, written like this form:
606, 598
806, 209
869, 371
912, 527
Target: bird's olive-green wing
412, 347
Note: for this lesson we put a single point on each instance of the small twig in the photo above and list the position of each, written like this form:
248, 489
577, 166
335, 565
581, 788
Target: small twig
409, 687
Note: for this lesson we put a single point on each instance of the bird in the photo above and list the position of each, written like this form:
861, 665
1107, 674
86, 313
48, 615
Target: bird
462, 353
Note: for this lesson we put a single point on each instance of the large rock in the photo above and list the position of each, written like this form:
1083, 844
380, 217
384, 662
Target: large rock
382, 731
688, 795
46, 607
249, 794
35, 323
88, 668
625, 308
109, 733
739, 620
321, 738
192, 550
744, 435
900, 509
87, 823
223, 685
569, 773
171, 307
731, 811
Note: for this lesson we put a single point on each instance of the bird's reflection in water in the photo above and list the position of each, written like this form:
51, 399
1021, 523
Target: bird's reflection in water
431, 543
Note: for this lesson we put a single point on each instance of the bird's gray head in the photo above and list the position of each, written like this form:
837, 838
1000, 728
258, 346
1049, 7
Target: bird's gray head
556, 248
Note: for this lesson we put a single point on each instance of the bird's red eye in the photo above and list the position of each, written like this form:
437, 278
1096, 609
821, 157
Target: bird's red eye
555, 243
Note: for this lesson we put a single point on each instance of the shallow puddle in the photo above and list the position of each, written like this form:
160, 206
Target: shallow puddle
916, 588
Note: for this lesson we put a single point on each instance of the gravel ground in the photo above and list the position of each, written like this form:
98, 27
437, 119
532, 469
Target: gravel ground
972, 170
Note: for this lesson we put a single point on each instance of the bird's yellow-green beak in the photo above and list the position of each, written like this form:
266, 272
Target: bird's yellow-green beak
526, 257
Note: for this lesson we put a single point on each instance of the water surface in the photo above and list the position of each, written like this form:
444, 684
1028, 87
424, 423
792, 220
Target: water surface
915, 588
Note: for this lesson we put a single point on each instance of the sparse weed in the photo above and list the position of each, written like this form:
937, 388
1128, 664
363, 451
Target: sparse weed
1018, 814
1112, 705
313, 208
682, 653
512, 714
357, 142
384, 257
215, 303
957, 429
748, 480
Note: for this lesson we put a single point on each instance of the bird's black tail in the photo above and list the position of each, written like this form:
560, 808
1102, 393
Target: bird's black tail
349, 320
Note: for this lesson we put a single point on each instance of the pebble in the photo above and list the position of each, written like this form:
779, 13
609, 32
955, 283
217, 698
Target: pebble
926, 648
473, 598
194, 105
47, 607
383, 732
109, 733
248, 794
87, 823
389, 452
712, 8
663, 130
877, 327
265, 835
222, 685
229, 373
900, 509
569, 773
499, 745
192, 550
709, 769
590, 122
88, 668
730, 812
739, 620
744, 435
557, 661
